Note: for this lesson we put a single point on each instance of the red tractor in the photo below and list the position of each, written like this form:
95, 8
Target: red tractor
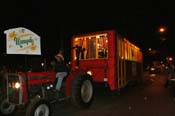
35, 91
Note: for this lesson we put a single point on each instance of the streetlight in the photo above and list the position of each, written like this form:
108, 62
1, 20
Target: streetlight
149, 49
161, 29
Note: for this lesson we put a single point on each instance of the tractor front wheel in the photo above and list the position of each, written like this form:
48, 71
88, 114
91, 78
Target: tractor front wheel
7, 108
82, 91
38, 107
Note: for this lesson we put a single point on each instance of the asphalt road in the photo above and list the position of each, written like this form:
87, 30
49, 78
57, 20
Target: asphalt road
150, 98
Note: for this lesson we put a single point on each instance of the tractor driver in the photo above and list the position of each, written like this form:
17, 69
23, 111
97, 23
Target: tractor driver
61, 69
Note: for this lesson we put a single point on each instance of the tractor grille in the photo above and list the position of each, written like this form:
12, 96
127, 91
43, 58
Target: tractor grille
13, 93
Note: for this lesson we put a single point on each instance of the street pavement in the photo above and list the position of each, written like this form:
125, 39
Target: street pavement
151, 98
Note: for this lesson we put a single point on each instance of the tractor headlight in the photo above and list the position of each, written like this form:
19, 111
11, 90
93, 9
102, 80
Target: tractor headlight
152, 69
48, 87
17, 85
14, 85
51, 85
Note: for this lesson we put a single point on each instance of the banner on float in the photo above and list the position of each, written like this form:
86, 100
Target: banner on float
22, 41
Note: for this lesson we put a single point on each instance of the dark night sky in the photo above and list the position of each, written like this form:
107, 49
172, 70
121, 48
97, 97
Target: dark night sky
56, 21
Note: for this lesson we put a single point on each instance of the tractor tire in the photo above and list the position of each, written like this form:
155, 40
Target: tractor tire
6, 108
38, 107
82, 91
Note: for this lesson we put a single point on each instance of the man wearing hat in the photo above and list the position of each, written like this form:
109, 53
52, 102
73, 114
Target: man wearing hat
61, 70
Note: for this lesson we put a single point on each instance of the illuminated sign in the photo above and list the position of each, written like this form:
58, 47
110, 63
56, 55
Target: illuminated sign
22, 41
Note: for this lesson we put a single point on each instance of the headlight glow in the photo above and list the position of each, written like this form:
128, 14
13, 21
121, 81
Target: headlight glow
152, 69
48, 87
51, 85
17, 85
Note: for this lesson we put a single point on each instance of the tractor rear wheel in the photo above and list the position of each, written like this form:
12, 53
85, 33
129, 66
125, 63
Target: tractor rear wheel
82, 91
